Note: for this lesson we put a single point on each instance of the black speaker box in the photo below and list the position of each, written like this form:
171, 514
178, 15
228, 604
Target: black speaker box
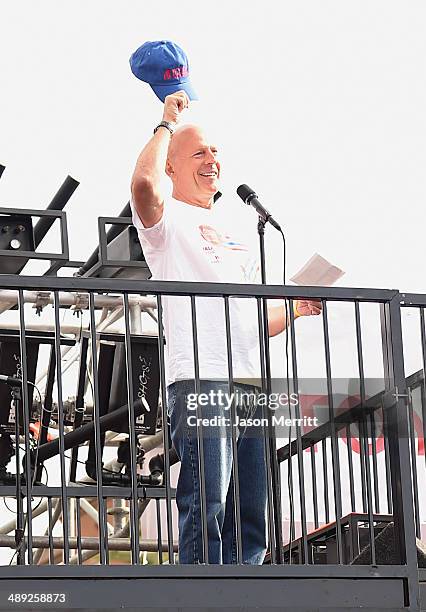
145, 379
11, 365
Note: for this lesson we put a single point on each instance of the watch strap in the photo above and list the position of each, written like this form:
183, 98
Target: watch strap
165, 124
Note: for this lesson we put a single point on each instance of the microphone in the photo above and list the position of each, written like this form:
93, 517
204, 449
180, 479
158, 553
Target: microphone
10, 380
250, 197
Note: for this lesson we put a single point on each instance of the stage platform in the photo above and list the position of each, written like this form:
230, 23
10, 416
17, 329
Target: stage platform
201, 588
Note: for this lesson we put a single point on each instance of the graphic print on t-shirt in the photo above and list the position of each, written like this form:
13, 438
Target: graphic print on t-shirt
217, 241
210, 234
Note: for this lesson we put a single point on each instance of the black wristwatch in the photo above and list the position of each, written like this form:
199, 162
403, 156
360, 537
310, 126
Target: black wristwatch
165, 124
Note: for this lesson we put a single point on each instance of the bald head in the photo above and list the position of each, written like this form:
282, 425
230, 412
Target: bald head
184, 135
192, 166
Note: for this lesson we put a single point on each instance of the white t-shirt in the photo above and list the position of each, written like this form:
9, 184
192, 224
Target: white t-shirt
191, 243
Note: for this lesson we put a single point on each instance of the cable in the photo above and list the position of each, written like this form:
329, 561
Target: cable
41, 426
289, 469
284, 254
91, 383
84, 463
41, 499
80, 335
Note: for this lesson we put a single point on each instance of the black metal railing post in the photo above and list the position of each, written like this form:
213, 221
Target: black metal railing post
200, 437
103, 532
165, 427
134, 519
234, 448
300, 464
61, 429
398, 428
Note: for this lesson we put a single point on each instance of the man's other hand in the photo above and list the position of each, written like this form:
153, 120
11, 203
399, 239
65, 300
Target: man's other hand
174, 104
305, 308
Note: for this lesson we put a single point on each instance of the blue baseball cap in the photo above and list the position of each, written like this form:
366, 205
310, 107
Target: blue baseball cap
163, 65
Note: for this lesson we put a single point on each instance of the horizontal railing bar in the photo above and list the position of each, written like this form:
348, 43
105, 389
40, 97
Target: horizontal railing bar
90, 491
33, 255
412, 299
41, 297
46, 337
87, 543
105, 285
204, 571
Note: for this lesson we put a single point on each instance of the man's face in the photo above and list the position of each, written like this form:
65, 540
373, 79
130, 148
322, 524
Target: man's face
193, 165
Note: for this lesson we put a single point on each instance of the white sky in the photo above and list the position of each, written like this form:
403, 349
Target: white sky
318, 105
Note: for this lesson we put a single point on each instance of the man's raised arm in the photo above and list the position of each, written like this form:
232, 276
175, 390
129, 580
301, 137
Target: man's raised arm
151, 163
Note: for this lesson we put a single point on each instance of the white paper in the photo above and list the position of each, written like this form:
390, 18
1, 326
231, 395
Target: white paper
317, 271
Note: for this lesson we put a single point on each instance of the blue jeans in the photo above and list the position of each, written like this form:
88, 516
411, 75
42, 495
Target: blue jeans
217, 446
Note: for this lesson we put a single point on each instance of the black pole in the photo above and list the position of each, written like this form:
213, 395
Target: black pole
275, 477
58, 202
47, 408
79, 402
85, 432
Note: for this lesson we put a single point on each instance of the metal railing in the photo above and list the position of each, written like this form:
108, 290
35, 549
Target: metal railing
332, 488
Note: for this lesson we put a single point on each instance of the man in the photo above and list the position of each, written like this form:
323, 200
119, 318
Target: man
185, 239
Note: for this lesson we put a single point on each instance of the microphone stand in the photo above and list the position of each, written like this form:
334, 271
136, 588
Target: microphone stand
270, 445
